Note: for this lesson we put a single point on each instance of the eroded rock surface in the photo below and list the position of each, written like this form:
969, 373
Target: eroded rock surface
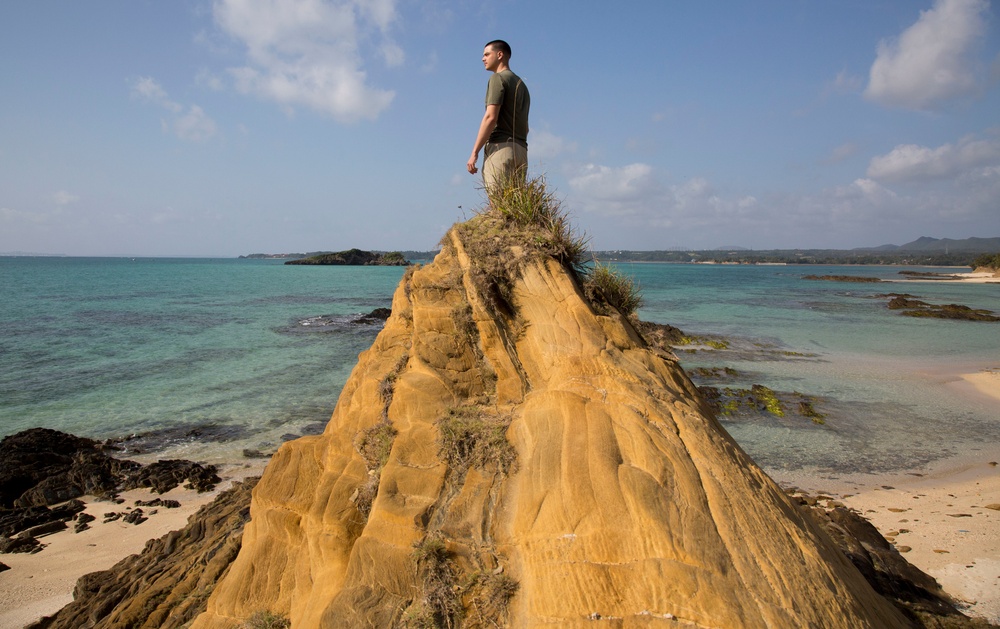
627, 501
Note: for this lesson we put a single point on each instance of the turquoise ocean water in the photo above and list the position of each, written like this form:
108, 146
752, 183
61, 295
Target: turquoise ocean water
220, 355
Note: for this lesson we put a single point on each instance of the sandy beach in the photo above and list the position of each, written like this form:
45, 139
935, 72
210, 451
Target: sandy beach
42, 583
980, 277
945, 519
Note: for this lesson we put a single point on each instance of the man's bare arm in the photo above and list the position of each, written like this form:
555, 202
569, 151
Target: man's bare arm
485, 129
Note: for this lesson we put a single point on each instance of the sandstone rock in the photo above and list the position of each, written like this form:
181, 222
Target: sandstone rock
628, 500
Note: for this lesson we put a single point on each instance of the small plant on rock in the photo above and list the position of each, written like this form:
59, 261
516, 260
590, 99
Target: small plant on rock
438, 604
606, 284
266, 619
471, 436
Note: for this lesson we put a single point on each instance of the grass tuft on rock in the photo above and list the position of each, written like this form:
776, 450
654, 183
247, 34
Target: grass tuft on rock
523, 221
606, 284
439, 604
472, 436
266, 619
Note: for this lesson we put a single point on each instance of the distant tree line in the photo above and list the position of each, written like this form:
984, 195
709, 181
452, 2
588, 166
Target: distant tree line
803, 256
987, 260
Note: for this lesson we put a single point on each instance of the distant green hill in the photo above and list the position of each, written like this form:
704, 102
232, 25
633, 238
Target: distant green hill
943, 245
354, 257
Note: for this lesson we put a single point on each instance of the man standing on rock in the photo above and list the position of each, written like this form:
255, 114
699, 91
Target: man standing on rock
504, 129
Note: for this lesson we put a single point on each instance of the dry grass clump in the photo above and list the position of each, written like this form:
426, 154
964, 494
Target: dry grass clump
472, 436
606, 284
266, 620
522, 213
375, 443
489, 597
439, 604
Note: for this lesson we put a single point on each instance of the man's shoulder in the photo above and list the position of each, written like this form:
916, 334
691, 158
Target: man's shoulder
508, 76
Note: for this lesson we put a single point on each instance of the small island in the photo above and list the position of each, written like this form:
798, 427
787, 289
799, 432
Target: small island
355, 257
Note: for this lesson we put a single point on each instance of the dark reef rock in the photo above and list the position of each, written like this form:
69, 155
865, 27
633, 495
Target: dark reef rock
660, 335
379, 315
842, 278
19, 545
916, 308
355, 257
163, 476
41, 467
169, 583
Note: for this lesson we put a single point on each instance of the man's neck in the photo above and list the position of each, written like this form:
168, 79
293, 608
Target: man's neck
502, 67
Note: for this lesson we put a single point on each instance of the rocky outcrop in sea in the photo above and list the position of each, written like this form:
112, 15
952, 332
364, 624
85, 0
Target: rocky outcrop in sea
518, 458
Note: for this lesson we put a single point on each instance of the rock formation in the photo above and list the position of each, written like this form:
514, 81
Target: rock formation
510, 455
165, 586
354, 257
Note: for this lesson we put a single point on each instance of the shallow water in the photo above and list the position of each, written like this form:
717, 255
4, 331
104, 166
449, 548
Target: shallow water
220, 355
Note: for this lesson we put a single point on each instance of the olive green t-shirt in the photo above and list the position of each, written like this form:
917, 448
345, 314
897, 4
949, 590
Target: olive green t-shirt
509, 91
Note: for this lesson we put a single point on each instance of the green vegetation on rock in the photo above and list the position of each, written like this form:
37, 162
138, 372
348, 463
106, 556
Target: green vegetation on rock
606, 284
989, 261
354, 257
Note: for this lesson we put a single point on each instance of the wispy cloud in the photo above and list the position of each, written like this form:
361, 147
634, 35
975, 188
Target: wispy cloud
840, 153
187, 123
932, 61
545, 145
64, 198
308, 52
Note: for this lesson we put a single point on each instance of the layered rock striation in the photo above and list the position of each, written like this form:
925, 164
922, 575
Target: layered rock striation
520, 458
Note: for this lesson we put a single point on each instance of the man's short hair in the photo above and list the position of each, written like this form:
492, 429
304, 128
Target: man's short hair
501, 45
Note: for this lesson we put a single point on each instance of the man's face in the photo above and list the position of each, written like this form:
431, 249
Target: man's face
491, 59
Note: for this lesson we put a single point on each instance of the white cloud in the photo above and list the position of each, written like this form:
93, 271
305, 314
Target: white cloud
930, 63
307, 52
64, 198
148, 89
544, 145
910, 162
194, 125
616, 190
207, 78
844, 83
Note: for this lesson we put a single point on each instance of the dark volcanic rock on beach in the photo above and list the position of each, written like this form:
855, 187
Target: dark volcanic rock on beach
41, 467
163, 476
168, 584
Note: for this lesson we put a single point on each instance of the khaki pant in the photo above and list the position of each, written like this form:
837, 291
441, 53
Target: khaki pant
503, 160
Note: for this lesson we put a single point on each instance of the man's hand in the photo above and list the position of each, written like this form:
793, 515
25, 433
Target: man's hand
485, 129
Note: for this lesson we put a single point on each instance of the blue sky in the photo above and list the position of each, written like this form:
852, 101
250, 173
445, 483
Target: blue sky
225, 127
